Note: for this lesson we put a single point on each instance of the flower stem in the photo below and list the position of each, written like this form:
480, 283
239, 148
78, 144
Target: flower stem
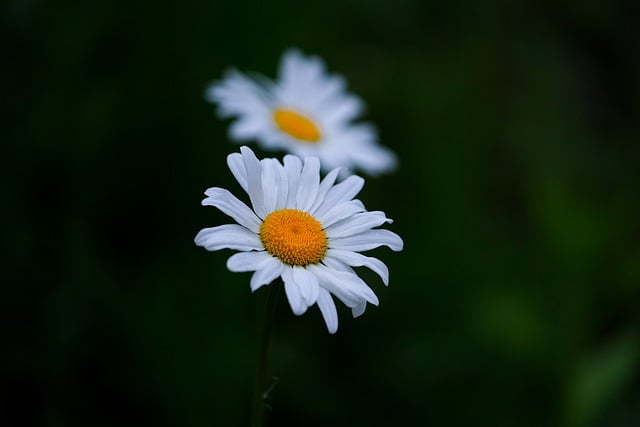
266, 308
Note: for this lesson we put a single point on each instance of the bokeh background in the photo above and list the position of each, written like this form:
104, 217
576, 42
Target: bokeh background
514, 303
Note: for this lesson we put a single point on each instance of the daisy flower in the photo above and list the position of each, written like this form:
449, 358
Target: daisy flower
306, 112
307, 231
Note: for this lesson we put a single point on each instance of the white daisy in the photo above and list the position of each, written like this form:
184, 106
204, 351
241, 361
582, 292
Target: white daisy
307, 231
306, 112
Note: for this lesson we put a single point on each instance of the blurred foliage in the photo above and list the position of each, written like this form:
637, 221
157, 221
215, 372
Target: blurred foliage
514, 303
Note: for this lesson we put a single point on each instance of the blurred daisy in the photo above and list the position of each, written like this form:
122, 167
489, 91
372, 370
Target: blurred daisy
307, 112
307, 231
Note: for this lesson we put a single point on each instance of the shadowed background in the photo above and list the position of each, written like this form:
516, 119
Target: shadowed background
514, 302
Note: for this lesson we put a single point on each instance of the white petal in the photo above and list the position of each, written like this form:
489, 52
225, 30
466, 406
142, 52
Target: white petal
337, 264
270, 184
246, 128
374, 158
335, 158
236, 166
291, 65
328, 90
348, 287
344, 109
324, 188
309, 183
292, 290
308, 285
340, 265
356, 145
328, 309
368, 240
267, 272
229, 236
237, 94
357, 223
342, 192
254, 181
359, 310
230, 205
359, 203
298, 75
247, 261
292, 167
303, 80
355, 259
338, 213
282, 183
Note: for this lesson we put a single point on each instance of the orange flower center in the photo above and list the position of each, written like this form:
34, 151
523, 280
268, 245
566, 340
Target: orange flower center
296, 125
295, 237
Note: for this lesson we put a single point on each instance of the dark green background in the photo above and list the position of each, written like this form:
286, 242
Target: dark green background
514, 303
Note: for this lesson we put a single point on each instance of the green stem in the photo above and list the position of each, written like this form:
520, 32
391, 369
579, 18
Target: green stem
266, 308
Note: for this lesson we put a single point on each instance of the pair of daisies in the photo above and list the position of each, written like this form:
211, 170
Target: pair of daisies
306, 230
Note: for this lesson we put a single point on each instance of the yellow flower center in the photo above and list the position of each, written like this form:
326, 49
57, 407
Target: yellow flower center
296, 125
293, 236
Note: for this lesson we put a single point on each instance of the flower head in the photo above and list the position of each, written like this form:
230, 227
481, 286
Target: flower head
308, 231
306, 112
